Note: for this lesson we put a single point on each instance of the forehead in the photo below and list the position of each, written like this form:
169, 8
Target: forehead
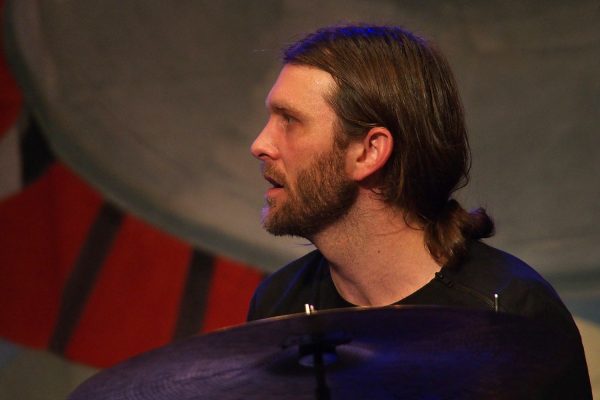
301, 88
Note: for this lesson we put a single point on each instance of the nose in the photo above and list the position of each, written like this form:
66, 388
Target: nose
263, 146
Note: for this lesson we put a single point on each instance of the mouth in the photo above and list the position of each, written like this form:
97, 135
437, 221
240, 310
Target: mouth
273, 182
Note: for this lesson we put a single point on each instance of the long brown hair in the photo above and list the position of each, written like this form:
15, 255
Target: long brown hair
389, 77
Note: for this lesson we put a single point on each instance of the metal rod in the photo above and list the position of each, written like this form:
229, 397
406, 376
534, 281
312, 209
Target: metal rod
322, 391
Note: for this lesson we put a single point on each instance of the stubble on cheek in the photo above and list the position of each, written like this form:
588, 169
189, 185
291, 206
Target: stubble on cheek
322, 195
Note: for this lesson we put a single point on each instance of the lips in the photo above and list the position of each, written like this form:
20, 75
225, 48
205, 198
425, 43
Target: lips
273, 182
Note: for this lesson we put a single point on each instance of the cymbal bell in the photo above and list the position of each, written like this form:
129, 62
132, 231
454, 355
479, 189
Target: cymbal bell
398, 352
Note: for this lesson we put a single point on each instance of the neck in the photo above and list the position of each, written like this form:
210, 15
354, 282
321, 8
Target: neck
375, 258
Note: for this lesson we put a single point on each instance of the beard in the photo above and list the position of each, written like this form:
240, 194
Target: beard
322, 195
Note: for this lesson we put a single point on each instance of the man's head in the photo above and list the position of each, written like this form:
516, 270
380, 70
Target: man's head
386, 78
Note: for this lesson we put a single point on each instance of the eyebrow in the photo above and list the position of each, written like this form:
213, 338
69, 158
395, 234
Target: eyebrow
280, 108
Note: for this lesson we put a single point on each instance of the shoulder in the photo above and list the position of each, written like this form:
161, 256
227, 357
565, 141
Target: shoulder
487, 265
520, 289
286, 290
523, 291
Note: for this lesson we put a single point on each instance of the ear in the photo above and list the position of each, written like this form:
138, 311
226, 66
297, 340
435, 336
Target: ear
369, 155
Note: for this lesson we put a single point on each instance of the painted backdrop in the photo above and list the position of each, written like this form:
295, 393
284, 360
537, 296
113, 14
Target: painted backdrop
129, 209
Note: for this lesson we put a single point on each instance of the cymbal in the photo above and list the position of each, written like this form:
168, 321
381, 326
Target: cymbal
370, 353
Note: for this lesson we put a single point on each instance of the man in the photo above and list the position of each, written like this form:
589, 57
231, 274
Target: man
364, 146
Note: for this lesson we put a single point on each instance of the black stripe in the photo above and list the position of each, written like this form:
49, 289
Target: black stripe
193, 302
36, 155
83, 276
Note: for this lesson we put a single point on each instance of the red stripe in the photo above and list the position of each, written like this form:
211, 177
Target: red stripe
232, 287
42, 229
134, 305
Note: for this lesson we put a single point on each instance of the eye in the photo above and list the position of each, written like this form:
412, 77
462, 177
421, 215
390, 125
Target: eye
288, 118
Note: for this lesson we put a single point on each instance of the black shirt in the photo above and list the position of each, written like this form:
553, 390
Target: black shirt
484, 272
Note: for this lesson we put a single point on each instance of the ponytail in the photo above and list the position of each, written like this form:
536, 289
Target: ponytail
447, 236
